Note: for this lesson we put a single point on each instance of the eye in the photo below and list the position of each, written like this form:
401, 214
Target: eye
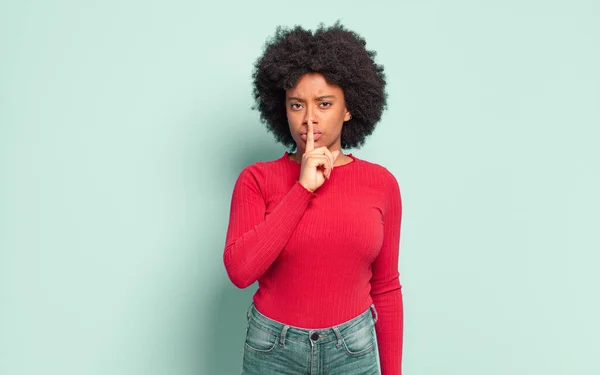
325, 104
295, 106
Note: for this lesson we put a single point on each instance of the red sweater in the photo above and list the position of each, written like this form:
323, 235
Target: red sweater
320, 258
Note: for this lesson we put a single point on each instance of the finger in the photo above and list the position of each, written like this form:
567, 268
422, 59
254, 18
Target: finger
325, 151
335, 155
321, 160
327, 165
310, 137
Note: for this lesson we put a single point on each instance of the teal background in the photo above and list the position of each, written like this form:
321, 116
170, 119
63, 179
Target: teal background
124, 124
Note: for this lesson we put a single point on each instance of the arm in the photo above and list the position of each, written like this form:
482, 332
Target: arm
254, 241
385, 286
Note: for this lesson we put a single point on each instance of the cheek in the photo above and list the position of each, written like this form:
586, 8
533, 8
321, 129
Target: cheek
335, 114
292, 125
294, 118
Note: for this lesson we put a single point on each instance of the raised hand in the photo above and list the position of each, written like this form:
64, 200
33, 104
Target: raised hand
317, 163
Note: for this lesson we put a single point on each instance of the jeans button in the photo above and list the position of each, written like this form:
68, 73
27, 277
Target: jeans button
314, 336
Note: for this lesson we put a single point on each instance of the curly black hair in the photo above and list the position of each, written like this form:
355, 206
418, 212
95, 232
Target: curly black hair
341, 57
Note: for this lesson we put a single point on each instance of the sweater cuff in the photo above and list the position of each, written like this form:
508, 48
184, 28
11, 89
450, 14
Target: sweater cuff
303, 192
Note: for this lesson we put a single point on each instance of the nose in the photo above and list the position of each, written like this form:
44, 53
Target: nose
309, 114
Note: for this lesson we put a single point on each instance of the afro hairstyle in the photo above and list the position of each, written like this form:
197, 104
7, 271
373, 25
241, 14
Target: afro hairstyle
341, 57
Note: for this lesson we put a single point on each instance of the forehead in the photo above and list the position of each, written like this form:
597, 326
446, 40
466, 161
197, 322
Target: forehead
313, 84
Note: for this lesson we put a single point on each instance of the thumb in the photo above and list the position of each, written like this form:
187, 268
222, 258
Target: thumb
335, 154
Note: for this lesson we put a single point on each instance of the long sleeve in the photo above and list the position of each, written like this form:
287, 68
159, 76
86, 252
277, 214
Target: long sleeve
385, 286
254, 240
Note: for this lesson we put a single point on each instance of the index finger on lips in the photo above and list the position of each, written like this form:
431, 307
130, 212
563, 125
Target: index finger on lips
310, 137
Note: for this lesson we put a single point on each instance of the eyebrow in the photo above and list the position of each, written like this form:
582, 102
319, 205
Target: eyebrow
318, 98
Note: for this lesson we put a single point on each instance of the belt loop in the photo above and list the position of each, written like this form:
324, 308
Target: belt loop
375, 311
339, 337
248, 311
282, 337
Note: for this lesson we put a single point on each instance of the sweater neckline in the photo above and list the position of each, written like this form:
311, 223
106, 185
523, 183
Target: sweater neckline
286, 156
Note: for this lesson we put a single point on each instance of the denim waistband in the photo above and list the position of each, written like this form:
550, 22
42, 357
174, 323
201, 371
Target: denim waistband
317, 335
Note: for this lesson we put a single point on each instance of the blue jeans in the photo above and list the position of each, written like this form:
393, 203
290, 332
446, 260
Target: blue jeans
349, 348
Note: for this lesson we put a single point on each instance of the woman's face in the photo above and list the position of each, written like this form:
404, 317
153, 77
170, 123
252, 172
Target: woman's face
313, 97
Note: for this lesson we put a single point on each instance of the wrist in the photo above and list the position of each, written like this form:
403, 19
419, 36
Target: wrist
304, 186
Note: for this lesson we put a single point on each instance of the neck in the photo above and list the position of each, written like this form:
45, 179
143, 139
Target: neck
341, 159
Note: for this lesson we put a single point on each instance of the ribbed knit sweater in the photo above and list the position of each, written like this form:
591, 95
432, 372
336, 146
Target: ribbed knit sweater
320, 258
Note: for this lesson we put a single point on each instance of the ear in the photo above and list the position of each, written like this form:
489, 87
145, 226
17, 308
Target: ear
347, 116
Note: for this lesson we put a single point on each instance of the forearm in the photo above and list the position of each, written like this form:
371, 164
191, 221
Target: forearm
248, 255
389, 329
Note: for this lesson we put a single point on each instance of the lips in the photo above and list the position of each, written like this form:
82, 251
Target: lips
316, 136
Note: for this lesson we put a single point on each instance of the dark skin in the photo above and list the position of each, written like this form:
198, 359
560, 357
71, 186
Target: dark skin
313, 98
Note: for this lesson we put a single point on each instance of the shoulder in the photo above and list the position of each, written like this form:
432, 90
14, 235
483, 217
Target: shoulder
387, 185
380, 173
260, 170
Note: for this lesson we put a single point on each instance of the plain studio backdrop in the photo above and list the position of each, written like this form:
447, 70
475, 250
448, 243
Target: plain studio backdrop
124, 125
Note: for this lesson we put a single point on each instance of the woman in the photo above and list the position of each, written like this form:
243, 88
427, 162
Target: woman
318, 229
